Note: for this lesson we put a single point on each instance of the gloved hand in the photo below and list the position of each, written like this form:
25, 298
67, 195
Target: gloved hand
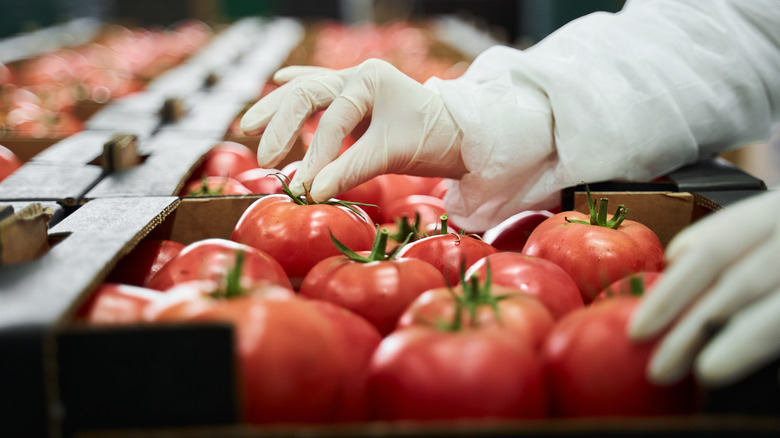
723, 269
410, 132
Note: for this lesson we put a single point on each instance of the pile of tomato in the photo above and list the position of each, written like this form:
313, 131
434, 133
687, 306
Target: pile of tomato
374, 307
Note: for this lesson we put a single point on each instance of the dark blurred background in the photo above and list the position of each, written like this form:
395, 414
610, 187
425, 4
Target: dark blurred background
518, 22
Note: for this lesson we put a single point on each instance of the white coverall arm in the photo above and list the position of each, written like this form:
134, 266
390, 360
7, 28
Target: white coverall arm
631, 95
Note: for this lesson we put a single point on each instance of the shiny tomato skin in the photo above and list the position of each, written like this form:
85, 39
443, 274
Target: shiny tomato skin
421, 373
360, 339
378, 291
511, 234
518, 313
9, 162
290, 355
369, 192
445, 252
144, 261
228, 158
428, 207
592, 368
260, 181
298, 236
211, 259
595, 256
115, 303
622, 287
535, 276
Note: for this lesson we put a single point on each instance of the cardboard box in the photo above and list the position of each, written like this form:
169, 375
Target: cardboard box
121, 381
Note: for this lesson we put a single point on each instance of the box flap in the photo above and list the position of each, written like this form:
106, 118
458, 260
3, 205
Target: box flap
62, 182
82, 148
170, 160
94, 237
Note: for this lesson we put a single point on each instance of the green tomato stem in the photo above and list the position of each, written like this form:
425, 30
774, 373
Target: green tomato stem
598, 215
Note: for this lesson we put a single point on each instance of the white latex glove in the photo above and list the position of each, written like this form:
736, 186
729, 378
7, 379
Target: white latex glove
410, 132
723, 269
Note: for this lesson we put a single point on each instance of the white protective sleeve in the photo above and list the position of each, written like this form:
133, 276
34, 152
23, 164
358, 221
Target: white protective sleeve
625, 96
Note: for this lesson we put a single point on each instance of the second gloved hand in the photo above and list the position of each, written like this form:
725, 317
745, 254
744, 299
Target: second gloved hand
410, 132
724, 271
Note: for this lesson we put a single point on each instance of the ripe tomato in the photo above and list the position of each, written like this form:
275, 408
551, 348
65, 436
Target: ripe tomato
298, 236
592, 368
446, 252
511, 234
228, 158
371, 284
534, 276
396, 186
292, 355
260, 181
114, 303
428, 207
596, 255
423, 373
360, 339
212, 259
214, 186
642, 281
370, 192
9, 162
142, 263
486, 305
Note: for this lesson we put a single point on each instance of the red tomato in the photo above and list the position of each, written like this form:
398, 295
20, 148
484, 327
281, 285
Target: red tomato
396, 186
511, 234
376, 287
114, 303
214, 186
142, 263
298, 236
534, 276
212, 259
370, 192
360, 339
9, 162
625, 285
422, 373
592, 368
260, 181
440, 189
428, 207
520, 314
446, 251
291, 357
228, 158
595, 255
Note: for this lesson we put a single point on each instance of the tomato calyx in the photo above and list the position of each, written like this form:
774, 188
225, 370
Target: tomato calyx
475, 295
636, 285
598, 215
407, 232
377, 250
232, 288
203, 189
306, 199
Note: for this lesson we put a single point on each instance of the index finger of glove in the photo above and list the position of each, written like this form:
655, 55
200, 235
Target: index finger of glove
287, 74
343, 115
305, 95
